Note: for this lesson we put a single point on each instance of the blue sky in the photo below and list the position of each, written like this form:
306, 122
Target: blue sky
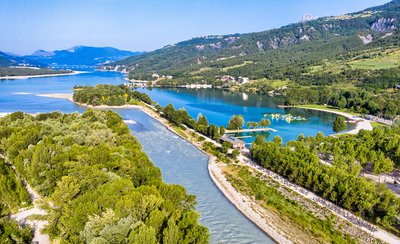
144, 25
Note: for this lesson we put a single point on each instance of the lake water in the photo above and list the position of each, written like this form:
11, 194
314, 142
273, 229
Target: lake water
218, 106
179, 161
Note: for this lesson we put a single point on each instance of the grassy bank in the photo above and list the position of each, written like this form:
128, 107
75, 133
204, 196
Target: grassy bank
295, 218
328, 108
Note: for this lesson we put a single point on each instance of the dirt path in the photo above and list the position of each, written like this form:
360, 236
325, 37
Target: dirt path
243, 203
22, 217
342, 213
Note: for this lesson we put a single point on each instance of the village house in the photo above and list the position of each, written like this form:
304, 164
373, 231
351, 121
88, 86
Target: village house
243, 80
228, 78
236, 143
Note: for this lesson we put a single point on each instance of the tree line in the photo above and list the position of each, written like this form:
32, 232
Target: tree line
339, 182
361, 101
181, 116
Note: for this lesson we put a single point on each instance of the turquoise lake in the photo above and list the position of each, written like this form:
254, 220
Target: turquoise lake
179, 161
219, 105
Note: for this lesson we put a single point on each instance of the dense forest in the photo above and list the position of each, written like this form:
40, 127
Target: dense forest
101, 186
339, 182
11, 71
111, 95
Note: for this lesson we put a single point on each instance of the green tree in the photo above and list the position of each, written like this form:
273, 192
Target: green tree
171, 233
143, 235
339, 124
265, 122
202, 120
236, 122
260, 140
278, 140
235, 153
383, 165
222, 130
225, 146
342, 103
319, 137
104, 189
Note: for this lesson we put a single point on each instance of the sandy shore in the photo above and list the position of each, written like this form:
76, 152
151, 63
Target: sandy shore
57, 95
244, 204
362, 124
18, 77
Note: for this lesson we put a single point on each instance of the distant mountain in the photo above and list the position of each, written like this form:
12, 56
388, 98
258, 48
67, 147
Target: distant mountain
310, 40
80, 55
6, 60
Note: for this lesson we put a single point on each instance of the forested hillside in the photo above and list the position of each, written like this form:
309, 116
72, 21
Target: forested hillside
102, 187
333, 34
355, 58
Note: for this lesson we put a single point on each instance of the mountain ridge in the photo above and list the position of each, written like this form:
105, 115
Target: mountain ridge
360, 27
77, 55
80, 55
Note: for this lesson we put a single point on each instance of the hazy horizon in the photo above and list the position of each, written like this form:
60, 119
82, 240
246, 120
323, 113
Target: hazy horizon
26, 26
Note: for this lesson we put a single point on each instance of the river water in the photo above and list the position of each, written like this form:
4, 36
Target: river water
179, 161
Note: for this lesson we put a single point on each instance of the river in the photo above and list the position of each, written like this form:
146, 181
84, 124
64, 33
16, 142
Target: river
179, 161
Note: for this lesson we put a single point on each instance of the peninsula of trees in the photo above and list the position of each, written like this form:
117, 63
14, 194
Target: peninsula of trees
21, 71
113, 95
100, 186
110, 95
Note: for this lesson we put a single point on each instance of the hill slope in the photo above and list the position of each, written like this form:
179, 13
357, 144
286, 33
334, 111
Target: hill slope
5, 60
11, 60
311, 40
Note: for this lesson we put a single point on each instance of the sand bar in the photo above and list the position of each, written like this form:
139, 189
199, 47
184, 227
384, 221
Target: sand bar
19, 77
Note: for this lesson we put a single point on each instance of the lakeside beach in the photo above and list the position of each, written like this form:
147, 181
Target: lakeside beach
361, 124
